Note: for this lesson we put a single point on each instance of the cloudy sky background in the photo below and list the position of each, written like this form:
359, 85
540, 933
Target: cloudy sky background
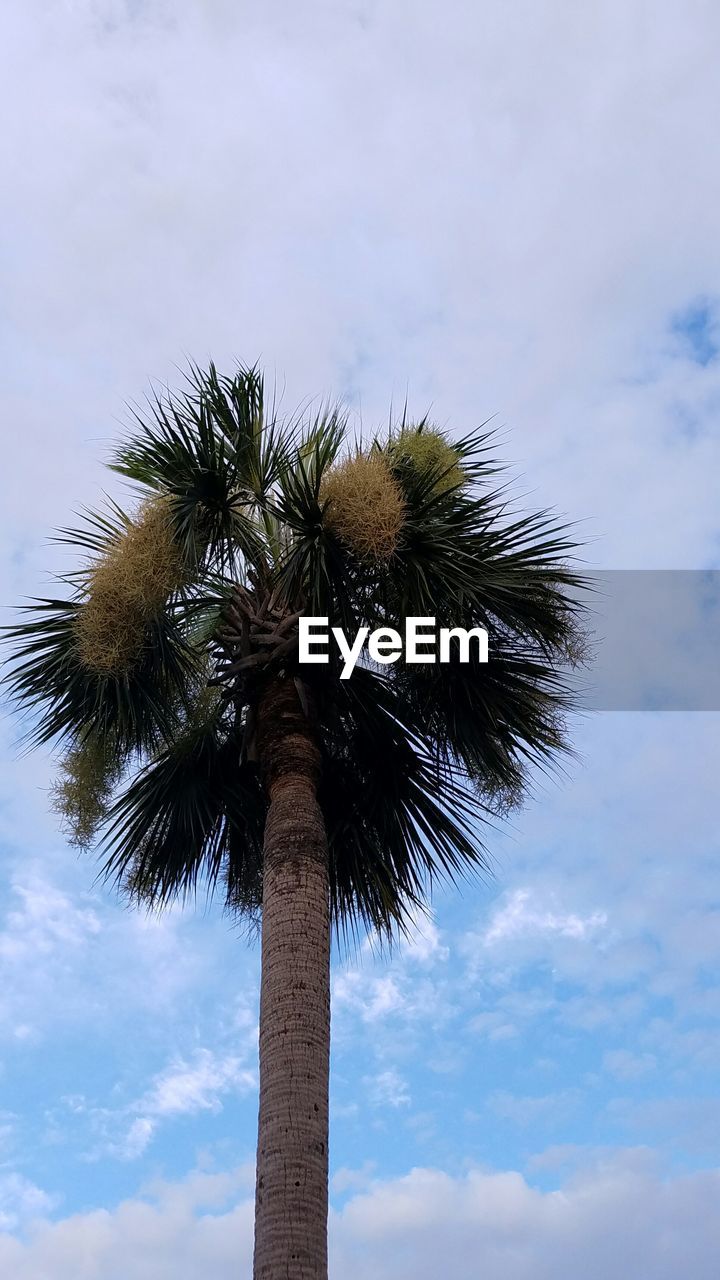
497, 209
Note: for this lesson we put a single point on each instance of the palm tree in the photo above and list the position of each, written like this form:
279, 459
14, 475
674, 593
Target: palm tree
198, 749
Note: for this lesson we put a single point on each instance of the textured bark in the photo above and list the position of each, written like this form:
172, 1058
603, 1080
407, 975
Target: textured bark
291, 1197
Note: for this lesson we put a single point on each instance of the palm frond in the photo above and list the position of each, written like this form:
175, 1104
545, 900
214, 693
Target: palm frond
62, 698
181, 446
398, 819
193, 812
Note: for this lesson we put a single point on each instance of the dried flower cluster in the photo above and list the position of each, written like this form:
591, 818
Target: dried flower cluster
127, 588
365, 506
81, 795
429, 451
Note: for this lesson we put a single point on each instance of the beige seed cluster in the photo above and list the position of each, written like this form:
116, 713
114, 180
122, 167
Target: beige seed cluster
81, 794
127, 587
429, 450
365, 507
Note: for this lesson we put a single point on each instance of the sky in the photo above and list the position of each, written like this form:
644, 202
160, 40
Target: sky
504, 211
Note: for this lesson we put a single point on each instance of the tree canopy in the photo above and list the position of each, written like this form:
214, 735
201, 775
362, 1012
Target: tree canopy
147, 666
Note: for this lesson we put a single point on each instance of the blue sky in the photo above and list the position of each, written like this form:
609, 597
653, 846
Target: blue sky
498, 211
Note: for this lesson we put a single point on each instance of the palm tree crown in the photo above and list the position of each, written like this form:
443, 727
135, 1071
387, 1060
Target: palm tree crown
150, 668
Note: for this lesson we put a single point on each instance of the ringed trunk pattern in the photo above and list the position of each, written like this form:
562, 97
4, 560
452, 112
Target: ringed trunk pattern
291, 1196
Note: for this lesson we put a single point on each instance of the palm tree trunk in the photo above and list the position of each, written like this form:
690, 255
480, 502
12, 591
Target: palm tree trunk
291, 1197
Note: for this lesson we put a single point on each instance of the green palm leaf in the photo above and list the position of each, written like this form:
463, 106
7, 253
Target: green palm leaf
414, 758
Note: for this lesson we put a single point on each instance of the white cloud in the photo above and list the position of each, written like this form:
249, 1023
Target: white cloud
424, 943
375, 995
353, 1179
187, 1087
369, 996
45, 938
136, 1141
21, 1201
181, 1230
615, 1221
521, 916
183, 1088
46, 922
617, 1217
71, 956
367, 222
387, 1089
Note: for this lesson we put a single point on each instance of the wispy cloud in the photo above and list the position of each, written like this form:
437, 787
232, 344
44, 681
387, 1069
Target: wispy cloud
387, 1089
183, 1088
21, 1201
187, 1087
521, 916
